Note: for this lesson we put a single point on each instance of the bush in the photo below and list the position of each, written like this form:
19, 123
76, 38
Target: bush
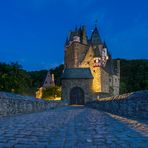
51, 93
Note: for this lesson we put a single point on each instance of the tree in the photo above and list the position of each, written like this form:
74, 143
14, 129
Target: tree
133, 75
13, 78
51, 93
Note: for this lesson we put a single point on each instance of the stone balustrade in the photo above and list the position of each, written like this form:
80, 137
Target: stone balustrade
11, 104
131, 104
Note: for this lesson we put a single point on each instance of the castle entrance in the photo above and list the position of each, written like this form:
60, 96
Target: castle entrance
77, 96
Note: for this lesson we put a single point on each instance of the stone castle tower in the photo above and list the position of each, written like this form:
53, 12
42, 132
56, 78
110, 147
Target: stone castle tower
89, 70
49, 82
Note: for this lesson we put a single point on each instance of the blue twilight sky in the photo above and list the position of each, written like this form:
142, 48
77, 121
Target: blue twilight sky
33, 32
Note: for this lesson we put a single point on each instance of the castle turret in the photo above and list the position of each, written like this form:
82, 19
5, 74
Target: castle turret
66, 42
118, 68
49, 81
84, 37
104, 44
76, 48
95, 37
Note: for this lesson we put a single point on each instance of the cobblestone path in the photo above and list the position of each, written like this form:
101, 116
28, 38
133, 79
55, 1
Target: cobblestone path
72, 127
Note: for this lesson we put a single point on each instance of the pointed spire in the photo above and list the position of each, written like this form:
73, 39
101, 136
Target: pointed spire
84, 36
49, 81
80, 31
83, 28
96, 22
76, 29
66, 42
104, 44
71, 36
95, 37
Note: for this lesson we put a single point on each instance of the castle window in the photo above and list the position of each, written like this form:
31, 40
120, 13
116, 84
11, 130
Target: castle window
94, 71
88, 62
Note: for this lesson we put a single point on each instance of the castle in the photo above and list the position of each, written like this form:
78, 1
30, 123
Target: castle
49, 81
89, 69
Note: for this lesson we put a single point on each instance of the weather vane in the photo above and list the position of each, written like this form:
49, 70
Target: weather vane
96, 22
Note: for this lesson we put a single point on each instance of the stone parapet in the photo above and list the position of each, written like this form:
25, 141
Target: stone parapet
132, 104
11, 104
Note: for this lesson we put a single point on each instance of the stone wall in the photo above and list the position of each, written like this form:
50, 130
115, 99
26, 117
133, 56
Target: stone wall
115, 84
84, 84
101, 77
104, 81
74, 54
131, 105
11, 104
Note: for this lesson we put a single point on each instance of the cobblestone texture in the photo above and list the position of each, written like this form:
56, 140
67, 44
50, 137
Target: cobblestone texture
72, 127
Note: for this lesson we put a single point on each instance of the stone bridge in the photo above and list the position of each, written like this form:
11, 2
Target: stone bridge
72, 127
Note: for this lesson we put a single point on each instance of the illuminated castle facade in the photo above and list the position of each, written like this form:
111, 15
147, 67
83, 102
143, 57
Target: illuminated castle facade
89, 70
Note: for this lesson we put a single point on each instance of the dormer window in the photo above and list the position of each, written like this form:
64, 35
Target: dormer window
76, 38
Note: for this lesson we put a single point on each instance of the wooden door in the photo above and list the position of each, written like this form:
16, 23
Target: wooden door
77, 96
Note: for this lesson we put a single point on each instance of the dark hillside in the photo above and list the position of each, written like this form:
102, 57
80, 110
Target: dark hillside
134, 76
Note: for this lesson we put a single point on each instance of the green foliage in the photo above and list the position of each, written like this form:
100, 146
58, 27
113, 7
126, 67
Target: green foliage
51, 92
37, 78
13, 78
123, 88
134, 75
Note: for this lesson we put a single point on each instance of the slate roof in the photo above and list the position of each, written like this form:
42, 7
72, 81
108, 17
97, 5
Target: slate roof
109, 65
95, 37
97, 52
77, 73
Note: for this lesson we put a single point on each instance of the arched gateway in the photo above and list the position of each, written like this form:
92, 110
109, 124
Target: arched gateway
77, 96
76, 85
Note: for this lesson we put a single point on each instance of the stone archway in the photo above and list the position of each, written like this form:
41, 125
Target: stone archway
77, 96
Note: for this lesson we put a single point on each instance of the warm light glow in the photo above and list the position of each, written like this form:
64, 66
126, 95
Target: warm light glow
96, 85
